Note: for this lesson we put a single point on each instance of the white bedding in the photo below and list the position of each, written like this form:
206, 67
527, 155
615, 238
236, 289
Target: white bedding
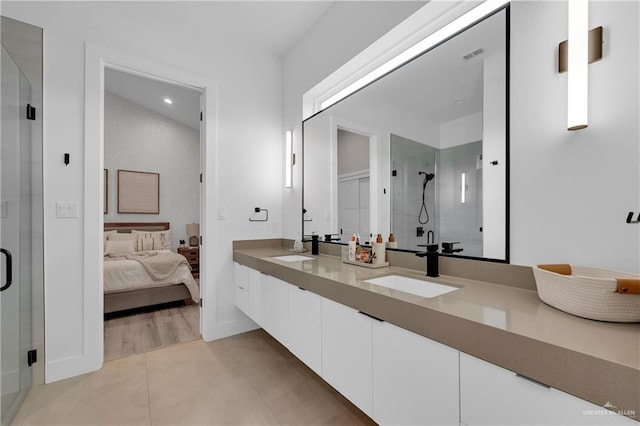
122, 274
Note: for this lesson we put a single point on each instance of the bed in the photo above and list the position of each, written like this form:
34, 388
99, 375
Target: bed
146, 275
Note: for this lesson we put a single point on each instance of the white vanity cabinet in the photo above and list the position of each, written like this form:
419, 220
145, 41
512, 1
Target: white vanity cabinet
493, 395
275, 308
241, 279
255, 295
305, 327
346, 353
399, 377
415, 379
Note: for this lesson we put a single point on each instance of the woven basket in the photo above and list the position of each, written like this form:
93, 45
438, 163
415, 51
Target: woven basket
597, 294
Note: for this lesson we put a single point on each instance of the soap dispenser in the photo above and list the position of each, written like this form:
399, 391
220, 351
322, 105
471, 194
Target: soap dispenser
379, 250
392, 242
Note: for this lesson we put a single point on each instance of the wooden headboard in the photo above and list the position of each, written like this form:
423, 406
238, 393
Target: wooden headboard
139, 226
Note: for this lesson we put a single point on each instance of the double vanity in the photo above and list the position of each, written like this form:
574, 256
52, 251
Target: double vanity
447, 350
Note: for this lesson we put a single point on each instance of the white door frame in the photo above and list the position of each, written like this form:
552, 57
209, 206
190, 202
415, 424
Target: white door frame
96, 59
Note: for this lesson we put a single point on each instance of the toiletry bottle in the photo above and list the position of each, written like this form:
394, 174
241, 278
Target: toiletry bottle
314, 244
392, 241
379, 250
352, 249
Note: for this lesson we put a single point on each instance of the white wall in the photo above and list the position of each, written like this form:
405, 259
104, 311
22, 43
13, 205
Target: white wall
462, 130
494, 156
571, 191
136, 138
248, 169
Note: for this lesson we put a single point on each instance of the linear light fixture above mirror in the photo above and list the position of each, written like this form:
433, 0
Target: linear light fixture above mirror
425, 44
288, 159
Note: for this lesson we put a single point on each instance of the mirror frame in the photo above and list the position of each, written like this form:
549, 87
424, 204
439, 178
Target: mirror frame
507, 29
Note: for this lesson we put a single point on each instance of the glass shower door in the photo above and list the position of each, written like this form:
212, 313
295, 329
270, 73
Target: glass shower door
15, 238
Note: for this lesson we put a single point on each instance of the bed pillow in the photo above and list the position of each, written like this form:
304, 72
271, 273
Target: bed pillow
161, 239
124, 236
145, 244
106, 237
119, 247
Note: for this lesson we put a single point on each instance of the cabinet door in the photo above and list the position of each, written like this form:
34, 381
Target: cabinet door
255, 296
415, 379
241, 278
275, 308
346, 353
305, 328
493, 395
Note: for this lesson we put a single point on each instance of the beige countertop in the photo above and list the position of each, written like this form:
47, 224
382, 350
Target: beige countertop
505, 325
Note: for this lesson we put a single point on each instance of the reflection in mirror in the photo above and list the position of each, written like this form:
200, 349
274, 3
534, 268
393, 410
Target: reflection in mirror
413, 192
436, 166
353, 184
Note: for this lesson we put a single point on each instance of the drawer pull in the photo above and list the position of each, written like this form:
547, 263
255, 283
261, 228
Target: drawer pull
370, 316
532, 381
303, 289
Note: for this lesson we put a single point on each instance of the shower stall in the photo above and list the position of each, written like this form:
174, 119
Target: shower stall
21, 214
436, 196
413, 192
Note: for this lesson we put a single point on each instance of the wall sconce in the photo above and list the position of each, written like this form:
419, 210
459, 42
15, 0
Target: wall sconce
578, 85
463, 188
289, 159
574, 56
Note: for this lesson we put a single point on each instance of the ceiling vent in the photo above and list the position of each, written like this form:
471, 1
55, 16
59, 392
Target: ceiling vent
473, 54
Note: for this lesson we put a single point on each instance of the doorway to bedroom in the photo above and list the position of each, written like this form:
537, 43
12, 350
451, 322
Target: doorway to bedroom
152, 196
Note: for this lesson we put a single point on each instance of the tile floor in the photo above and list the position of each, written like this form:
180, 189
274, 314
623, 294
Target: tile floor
244, 379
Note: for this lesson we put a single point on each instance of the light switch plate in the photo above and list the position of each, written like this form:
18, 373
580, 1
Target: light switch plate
222, 213
67, 209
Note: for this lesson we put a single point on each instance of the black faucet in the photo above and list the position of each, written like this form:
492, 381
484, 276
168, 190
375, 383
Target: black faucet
448, 247
432, 259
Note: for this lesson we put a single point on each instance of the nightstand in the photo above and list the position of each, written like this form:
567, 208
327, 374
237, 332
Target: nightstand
193, 257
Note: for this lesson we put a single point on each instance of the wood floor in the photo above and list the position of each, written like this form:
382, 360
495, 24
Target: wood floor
143, 330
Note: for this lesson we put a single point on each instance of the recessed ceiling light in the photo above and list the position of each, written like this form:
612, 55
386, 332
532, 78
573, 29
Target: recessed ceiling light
168, 101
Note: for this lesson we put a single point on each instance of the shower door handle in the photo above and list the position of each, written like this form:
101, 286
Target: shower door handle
7, 253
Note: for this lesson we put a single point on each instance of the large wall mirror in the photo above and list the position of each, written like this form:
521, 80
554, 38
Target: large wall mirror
420, 153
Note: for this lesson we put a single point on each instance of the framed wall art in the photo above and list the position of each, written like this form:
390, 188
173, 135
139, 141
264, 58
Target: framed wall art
138, 192
106, 191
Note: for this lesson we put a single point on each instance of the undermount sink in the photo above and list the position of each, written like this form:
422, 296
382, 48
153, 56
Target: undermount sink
293, 258
412, 285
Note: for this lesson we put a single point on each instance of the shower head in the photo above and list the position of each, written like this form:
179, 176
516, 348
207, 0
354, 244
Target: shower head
427, 176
